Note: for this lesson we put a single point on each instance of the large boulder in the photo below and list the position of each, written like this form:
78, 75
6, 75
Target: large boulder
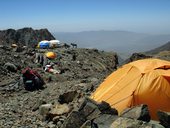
104, 120
91, 109
123, 122
139, 112
88, 111
164, 118
156, 124
105, 108
74, 120
68, 97
58, 110
52, 112
136, 56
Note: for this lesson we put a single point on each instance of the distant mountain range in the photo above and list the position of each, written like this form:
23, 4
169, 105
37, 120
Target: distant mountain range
165, 47
118, 41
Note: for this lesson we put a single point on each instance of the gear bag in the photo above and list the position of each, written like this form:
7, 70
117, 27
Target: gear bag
32, 80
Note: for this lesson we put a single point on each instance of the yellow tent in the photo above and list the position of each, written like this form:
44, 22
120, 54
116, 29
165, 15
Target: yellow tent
50, 55
144, 81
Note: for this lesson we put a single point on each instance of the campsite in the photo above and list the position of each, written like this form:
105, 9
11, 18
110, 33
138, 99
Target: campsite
85, 64
80, 75
82, 87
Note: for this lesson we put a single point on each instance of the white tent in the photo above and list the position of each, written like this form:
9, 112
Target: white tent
54, 43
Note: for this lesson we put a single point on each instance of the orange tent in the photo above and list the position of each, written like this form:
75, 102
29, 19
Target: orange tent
144, 81
51, 55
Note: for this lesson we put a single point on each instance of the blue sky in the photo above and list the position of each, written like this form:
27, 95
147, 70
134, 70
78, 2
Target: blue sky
146, 16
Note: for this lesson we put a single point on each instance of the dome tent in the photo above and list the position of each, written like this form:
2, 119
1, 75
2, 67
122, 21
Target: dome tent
51, 55
44, 44
144, 81
54, 43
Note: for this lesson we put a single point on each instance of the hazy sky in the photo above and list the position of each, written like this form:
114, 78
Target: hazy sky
149, 16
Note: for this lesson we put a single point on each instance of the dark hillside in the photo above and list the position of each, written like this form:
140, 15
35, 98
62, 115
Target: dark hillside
24, 36
165, 47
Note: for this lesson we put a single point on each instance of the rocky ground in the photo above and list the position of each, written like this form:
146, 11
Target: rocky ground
64, 102
19, 108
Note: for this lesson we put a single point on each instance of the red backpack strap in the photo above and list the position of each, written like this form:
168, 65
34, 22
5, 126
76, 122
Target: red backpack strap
25, 70
36, 73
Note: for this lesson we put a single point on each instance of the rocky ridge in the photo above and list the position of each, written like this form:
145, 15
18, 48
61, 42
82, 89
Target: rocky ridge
24, 36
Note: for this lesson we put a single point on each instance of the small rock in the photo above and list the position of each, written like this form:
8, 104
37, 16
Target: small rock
11, 67
56, 119
87, 124
156, 124
44, 110
38, 103
67, 97
51, 125
16, 56
59, 109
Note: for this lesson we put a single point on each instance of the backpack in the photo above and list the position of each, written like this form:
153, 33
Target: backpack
32, 80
